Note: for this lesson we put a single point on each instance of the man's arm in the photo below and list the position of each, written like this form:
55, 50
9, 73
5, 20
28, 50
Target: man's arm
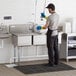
45, 26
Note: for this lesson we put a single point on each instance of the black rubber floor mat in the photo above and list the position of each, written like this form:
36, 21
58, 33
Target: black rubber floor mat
42, 68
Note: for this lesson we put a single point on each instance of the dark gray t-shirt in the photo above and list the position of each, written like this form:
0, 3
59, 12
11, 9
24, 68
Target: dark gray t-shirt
53, 21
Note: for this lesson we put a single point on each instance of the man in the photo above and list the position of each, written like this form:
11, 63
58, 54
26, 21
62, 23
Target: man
52, 35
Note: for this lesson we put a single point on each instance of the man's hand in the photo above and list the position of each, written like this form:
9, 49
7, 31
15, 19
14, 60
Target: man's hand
43, 15
43, 27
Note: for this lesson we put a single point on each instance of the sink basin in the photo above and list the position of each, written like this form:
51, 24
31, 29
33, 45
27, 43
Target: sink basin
21, 28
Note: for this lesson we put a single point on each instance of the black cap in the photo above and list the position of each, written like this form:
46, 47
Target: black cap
52, 6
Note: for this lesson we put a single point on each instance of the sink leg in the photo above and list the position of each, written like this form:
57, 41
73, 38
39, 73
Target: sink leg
18, 55
14, 54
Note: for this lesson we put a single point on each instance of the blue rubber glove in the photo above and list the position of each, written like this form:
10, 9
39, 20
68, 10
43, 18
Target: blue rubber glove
38, 27
43, 15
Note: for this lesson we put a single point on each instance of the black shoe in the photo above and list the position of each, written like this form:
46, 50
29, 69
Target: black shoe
56, 63
49, 65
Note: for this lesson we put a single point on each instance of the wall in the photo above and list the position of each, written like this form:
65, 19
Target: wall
23, 11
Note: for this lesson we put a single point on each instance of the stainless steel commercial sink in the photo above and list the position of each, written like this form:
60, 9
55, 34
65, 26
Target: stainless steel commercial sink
23, 34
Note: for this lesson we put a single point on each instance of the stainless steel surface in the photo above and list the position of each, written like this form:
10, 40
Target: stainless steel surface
21, 28
21, 31
27, 29
2, 36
